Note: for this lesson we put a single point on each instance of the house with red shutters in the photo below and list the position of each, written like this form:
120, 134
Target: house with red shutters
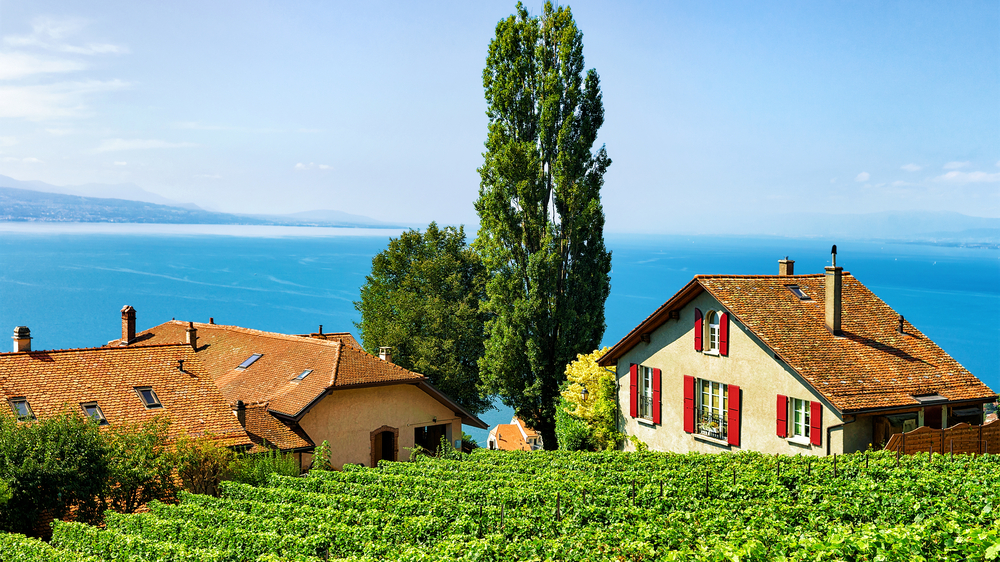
792, 364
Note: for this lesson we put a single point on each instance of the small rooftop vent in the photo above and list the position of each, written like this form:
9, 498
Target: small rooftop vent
929, 398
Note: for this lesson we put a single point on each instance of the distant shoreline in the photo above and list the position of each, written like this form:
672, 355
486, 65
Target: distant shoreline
174, 229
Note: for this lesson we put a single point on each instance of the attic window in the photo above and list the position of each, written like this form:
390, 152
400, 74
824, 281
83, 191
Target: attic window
253, 358
303, 374
22, 411
148, 397
798, 292
95, 413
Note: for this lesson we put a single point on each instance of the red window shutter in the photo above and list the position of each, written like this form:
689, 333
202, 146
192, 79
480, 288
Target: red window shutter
688, 404
815, 423
633, 377
723, 334
656, 396
782, 416
697, 330
733, 431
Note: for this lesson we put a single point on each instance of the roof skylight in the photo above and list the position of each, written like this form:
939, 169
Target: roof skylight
303, 374
798, 292
22, 410
148, 397
253, 358
95, 413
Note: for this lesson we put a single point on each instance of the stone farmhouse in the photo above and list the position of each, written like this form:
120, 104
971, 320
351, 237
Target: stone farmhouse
118, 386
292, 392
792, 364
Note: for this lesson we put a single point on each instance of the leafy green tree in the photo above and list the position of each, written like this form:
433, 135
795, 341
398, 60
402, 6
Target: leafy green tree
590, 397
203, 462
422, 300
541, 232
140, 465
321, 457
50, 466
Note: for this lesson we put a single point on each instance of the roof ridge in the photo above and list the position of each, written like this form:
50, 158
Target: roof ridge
254, 332
725, 276
97, 348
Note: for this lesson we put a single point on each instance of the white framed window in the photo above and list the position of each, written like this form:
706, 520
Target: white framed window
712, 333
22, 410
94, 412
798, 419
713, 406
645, 392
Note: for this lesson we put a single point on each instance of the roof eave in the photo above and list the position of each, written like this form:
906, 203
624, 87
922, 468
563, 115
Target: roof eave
467, 417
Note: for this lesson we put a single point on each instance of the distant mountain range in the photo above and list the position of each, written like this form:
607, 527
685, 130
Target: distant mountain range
35, 201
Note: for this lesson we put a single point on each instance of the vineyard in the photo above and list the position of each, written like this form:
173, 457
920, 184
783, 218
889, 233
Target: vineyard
572, 506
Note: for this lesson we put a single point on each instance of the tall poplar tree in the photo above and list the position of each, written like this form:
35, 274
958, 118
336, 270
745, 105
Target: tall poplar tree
541, 232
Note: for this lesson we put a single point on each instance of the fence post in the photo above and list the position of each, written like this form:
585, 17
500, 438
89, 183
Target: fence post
835, 465
930, 453
866, 460
706, 483
661, 488
558, 501
951, 445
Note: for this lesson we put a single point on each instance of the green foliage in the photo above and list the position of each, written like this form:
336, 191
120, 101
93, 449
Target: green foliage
422, 299
202, 463
541, 234
573, 433
50, 466
5, 493
468, 443
580, 507
639, 444
255, 468
140, 465
321, 457
19, 548
599, 409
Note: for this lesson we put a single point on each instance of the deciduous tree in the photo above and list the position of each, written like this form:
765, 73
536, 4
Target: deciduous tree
422, 300
541, 232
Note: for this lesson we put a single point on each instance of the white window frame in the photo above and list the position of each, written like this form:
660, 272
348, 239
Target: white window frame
712, 418
712, 332
645, 391
799, 412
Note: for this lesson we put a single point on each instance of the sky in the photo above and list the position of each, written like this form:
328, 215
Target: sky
714, 111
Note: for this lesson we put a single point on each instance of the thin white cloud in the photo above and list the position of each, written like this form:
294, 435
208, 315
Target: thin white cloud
311, 166
22, 160
911, 167
8, 141
863, 176
19, 65
198, 126
955, 165
54, 34
121, 163
115, 145
60, 132
49, 101
209, 176
899, 183
969, 177
998, 163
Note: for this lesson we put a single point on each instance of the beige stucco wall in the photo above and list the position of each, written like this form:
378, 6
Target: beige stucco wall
346, 418
749, 364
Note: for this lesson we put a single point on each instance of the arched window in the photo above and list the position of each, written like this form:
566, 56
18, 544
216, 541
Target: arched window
712, 337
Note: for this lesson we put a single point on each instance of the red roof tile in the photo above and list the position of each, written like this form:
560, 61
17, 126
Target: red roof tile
871, 366
60, 380
268, 432
509, 438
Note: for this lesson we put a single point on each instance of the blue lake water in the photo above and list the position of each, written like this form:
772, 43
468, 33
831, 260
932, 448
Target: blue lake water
68, 282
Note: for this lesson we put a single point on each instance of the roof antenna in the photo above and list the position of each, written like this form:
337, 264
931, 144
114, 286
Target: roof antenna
834, 252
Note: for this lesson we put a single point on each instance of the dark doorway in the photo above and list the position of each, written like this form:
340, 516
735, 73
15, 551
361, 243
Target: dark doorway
932, 417
384, 447
430, 437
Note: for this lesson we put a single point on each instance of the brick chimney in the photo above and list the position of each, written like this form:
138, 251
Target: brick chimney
22, 339
385, 354
128, 324
241, 413
786, 266
832, 287
192, 336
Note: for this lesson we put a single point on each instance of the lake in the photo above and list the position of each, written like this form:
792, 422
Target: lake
68, 282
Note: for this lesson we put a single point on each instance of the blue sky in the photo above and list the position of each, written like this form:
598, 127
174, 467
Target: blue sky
714, 111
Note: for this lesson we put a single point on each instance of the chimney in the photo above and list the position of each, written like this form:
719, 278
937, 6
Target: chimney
321, 329
128, 324
786, 266
241, 413
385, 354
901, 329
192, 336
22, 339
832, 288
211, 320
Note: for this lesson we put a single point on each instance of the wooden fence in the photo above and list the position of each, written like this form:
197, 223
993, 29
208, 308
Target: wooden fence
960, 438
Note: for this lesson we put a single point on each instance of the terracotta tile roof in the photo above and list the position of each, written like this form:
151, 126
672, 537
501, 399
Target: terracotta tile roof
57, 380
342, 337
268, 432
871, 366
509, 438
527, 430
270, 380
